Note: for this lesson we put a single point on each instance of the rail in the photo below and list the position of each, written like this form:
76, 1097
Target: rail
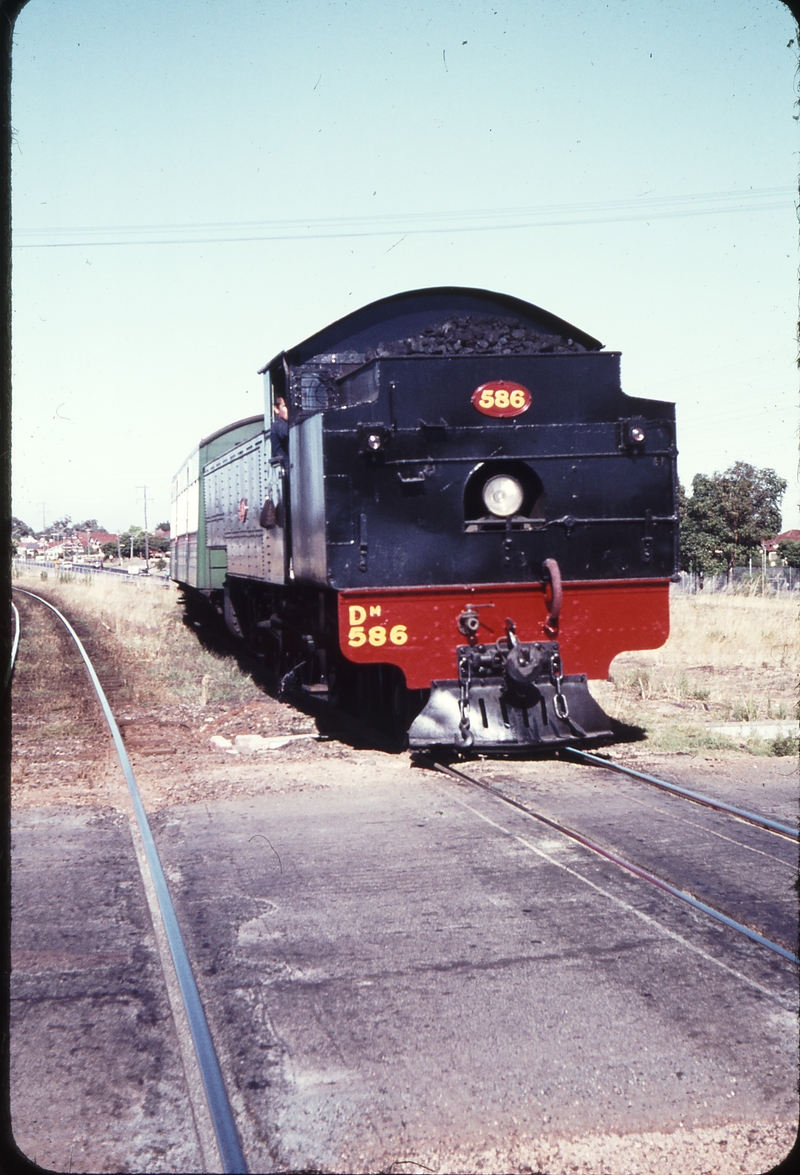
227, 1137
637, 870
14, 648
696, 797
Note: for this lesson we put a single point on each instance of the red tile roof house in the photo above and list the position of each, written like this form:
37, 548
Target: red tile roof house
92, 541
771, 545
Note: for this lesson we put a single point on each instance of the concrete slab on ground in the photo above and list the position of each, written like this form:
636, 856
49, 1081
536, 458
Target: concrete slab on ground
403, 971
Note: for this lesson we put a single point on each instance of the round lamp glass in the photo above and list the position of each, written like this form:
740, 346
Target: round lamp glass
502, 496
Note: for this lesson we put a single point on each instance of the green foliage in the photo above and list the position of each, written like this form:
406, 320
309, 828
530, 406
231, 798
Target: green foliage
727, 516
155, 545
19, 529
137, 534
784, 744
789, 554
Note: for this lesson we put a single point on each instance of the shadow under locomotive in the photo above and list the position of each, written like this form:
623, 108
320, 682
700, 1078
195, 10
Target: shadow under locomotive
362, 720
448, 519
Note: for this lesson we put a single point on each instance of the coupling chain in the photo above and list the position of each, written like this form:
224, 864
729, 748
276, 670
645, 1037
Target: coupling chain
463, 704
560, 704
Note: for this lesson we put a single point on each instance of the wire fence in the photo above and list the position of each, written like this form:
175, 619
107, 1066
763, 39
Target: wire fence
65, 571
742, 581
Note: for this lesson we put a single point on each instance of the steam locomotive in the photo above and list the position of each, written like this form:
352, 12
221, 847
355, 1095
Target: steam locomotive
448, 517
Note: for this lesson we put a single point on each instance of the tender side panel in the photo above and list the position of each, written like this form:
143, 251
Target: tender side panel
417, 628
238, 488
309, 552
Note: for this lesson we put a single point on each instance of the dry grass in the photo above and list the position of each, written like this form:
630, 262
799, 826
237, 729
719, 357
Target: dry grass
728, 659
146, 618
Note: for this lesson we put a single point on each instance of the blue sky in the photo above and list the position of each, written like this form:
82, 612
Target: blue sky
197, 186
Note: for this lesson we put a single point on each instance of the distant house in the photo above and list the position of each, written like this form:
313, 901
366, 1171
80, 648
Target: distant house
91, 543
771, 545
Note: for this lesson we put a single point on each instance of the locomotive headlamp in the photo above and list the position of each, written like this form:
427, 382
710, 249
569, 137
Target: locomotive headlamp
372, 439
633, 432
502, 496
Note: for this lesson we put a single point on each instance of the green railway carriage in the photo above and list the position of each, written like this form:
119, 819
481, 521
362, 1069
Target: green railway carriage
195, 559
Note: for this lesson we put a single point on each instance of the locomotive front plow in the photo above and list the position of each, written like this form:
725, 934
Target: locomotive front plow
511, 694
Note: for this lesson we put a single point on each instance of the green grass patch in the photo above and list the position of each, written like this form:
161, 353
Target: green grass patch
782, 746
687, 739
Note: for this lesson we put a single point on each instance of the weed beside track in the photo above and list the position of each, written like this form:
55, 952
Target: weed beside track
728, 659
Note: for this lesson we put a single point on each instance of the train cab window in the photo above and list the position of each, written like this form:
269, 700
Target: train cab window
334, 381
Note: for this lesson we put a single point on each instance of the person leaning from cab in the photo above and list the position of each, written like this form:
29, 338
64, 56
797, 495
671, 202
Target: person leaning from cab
272, 513
279, 432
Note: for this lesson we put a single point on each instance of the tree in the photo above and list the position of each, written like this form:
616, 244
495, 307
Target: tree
20, 529
728, 516
789, 553
137, 534
163, 526
155, 545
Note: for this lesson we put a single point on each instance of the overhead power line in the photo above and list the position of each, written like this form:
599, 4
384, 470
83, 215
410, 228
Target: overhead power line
470, 221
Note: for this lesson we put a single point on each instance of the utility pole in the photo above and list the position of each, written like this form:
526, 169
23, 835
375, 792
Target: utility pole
146, 539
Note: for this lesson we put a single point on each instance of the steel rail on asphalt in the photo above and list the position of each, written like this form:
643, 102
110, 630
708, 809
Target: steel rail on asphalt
637, 870
227, 1137
14, 648
696, 797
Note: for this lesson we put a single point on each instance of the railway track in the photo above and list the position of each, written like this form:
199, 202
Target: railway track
742, 814
225, 1132
676, 891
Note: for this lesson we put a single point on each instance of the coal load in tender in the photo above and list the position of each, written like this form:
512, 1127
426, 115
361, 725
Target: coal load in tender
468, 335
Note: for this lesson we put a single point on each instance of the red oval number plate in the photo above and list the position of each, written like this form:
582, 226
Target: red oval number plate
501, 397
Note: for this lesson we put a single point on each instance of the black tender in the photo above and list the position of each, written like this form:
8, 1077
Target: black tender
389, 456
